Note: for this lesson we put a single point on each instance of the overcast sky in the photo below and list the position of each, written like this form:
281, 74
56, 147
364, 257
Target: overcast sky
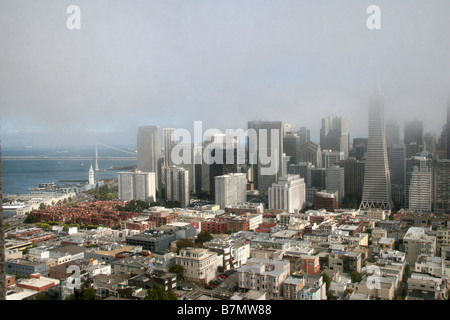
224, 62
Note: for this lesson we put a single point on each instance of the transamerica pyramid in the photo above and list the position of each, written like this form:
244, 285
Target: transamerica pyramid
377, 182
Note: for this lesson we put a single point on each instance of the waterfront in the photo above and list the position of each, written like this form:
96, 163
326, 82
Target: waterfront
20, 175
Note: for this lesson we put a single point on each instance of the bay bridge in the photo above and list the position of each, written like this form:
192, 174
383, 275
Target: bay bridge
63, 155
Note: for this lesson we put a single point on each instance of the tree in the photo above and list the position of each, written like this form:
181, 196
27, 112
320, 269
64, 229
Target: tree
204, 236
356, 276
42, 296
184, 243
42, 206
29, 219
327, 280
178, 270
89, 294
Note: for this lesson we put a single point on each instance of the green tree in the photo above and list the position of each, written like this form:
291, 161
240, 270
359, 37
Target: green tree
171, 296
204, 236
42, 206
89, 294
356, 276
184, 243
178, 270
42, 296
327, 280
29, 219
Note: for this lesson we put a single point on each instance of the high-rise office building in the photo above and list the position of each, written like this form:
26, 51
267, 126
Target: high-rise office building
353, 177
392, 133
397, 167
334, 134
331, 158
273, 150
177, 185
169, 143
304, 134
288, 194
419, 182
230, 189
429, 143
303, 169
377, 182
335, 182
137, 186
359, 148
291, 147
149, 151
420, 189
220, 157
413, 132
442, 183
311, 152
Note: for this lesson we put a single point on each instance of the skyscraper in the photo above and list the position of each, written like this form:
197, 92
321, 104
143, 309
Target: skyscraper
335, 182
304, 134
149, 151
353, 177
420, 190
377, 182
442, 193
169, 143
264, 180
230, 189
311, 152
137, 186
397, 167
177, 185
291, 147
413, 132
392, 133
334, 134
288, 194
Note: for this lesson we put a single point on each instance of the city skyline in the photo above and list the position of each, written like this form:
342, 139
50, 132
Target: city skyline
221, 63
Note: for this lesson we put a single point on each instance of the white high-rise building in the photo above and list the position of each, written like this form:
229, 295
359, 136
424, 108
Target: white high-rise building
335, 182
420, 189
137, 186
377, 182
177, 185
288, 194
230, 189
169, 143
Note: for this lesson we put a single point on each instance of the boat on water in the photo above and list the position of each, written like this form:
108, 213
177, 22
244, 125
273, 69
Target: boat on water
13, 205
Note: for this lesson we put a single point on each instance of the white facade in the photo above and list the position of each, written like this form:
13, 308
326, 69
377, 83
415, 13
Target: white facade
230, 189
420, 187
288, 194
334, 181
177, 185
91, 176
200, 265
137, 186
264, 275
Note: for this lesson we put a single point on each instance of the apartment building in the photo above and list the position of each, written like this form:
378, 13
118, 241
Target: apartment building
264, 275
200, 264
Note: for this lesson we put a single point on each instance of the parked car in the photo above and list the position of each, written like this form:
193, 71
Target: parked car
186, 288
